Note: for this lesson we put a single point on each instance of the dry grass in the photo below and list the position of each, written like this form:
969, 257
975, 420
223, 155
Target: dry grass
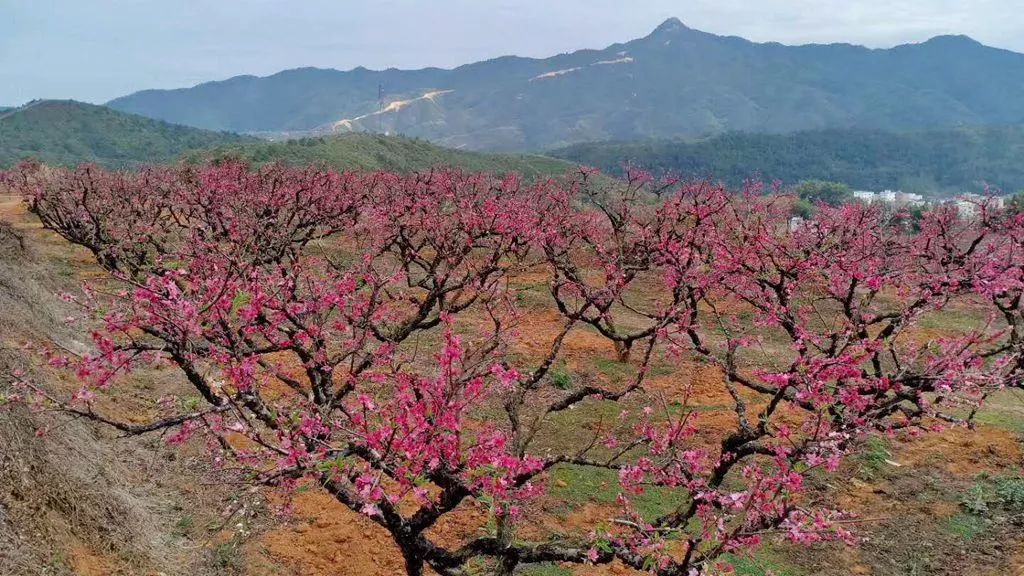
77, 500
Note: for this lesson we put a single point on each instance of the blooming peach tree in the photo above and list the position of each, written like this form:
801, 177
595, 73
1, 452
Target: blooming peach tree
358, 332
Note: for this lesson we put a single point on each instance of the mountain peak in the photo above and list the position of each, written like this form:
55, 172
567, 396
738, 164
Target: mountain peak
953, 40
673, 24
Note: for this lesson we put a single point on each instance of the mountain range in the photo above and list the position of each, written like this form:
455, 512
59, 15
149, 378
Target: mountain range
674, 82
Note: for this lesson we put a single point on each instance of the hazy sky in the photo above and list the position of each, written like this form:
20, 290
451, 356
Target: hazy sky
95, 50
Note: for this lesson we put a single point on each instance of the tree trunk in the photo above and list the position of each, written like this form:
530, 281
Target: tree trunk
622, 350
413, 564
505, 565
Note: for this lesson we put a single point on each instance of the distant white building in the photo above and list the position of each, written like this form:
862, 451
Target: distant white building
972, 203
894, 197
909, 199
795, 223
865, 196
966, 208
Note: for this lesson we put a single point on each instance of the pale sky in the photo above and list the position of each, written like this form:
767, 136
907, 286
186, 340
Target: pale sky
95, 50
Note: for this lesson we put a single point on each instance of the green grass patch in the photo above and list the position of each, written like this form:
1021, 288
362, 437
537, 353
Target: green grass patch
658, 369
613, 369
226, 556
975, 500
872, 457
569, 431
1004, 409
1009, 491
578, 485
544, 570
183, 527
1005, 492
560, 376
953, 320
765, 562
675, 407
965, 526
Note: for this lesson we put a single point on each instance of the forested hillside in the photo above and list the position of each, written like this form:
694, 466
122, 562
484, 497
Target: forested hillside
69, 133
375, 152
927, 161
66, 132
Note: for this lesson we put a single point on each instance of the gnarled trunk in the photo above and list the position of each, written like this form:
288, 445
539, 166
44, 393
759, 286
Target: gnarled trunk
413, 563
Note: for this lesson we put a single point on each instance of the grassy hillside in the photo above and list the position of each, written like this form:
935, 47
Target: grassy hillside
67, 132
932, 161
370, 152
